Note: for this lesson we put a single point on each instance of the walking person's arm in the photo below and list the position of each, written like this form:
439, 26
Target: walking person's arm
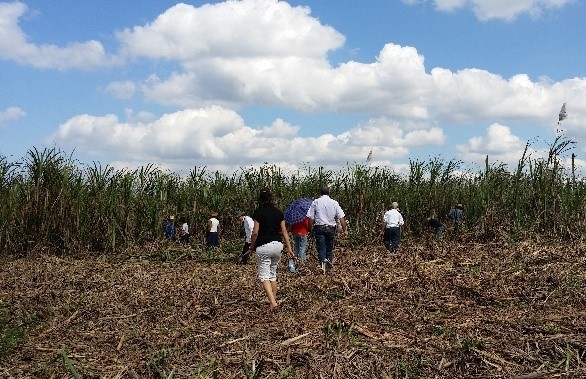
254, 236
285, 234
344, 227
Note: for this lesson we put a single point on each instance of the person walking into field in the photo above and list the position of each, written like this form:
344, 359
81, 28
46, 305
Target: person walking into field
457, 216
391, 228
184, 231
324, 214
248, 225
299, 232
170, 227
213, 231
436, 225
267, 238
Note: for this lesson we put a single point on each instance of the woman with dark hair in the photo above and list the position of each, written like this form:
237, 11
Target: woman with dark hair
268, 234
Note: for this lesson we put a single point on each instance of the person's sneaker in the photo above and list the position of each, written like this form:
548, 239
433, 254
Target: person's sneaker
325, 266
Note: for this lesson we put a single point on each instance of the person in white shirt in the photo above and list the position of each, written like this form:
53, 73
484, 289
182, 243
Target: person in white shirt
391, 227
213, 232
184, 231
324, 214
248, 225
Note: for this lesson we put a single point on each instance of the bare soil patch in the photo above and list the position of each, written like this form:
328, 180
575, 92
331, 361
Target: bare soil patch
431, 311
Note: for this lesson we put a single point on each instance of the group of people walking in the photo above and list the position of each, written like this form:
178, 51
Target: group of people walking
172, 232
182, 233
393, 220
266, 234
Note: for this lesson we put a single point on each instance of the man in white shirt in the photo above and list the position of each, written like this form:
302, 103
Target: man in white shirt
248, 225
213, 232
391, 227
184, 231
324, 213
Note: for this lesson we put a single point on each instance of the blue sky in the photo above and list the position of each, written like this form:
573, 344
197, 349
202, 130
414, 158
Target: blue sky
300, 83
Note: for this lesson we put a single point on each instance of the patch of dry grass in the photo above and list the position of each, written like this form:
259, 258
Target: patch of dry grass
432, 311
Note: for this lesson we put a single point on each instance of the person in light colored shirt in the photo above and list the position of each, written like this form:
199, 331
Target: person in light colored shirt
324, 214
248, 225
184, 231
391, 227
213, 231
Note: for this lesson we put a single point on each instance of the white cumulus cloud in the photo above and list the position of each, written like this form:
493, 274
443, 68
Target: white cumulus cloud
14, 45
11, 114
498, 143
122, 90
226, 56
497, 9
247, 28
216, 136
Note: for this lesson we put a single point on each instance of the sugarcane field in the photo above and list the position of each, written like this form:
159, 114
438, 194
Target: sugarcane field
91, 287
293, 189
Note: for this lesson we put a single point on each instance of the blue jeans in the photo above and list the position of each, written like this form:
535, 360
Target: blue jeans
300, 242
392, 238
324, 242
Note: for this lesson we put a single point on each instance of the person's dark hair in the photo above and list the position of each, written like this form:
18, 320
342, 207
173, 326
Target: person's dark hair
325, 190
265, 197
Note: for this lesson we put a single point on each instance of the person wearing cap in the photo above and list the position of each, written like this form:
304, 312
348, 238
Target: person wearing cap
248, 225
324, 213
213, 231
170, 227
391, 227
267, 238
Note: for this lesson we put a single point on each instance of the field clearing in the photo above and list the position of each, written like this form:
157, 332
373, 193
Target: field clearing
431, 311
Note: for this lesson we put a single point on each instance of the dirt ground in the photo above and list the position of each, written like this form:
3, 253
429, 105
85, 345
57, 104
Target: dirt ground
431, 311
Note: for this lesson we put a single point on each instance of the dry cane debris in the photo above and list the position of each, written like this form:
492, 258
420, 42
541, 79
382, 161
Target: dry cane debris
432, 311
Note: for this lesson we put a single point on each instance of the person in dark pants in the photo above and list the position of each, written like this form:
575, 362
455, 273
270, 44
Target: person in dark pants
248, 225
213, 231
184, 231
457, 216
324, 214
170, 227
391, 228
436, 225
